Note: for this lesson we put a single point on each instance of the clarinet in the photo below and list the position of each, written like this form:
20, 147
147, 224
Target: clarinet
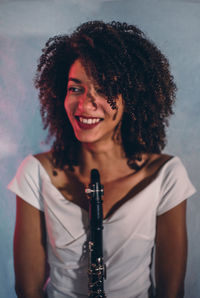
96, 267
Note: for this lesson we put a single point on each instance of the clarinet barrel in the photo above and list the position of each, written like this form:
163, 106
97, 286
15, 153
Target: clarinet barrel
96, 268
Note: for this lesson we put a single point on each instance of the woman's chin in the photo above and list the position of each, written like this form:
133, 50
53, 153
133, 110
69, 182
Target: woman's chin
86, 139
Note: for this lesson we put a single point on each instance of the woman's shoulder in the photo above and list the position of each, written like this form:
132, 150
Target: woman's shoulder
155, 162
57, 176
45, 158
170, 170
46, 161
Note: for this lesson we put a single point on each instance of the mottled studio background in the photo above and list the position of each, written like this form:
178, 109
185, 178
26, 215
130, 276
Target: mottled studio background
25, 26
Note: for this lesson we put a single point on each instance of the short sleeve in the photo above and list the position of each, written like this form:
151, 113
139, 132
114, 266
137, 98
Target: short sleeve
175, 187
27, 182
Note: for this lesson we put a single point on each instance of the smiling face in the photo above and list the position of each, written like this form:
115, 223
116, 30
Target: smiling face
90, 115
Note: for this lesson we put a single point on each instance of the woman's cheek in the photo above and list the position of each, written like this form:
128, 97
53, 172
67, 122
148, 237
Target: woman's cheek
67, 105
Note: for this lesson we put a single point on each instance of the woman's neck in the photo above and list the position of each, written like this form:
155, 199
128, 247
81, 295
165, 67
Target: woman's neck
108, 158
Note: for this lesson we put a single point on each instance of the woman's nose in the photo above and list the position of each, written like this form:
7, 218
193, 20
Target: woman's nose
87, 102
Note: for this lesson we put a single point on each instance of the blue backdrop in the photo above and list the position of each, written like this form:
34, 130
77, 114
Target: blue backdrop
24, 28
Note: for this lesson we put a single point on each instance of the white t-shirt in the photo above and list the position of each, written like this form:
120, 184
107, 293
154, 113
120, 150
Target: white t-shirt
128, 234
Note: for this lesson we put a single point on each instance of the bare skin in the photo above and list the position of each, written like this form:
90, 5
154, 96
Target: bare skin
118, 183
29, 251
171, 252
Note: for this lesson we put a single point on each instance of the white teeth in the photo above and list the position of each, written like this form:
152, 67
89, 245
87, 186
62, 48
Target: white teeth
89, 121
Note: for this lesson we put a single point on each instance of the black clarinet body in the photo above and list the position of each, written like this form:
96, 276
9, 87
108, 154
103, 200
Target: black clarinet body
96, 267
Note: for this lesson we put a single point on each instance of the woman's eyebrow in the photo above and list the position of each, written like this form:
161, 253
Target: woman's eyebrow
75, 80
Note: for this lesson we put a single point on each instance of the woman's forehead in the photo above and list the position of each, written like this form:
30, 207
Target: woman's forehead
77, 68
78, 74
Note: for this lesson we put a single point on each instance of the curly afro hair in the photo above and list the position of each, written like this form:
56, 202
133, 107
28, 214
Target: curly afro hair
121, 60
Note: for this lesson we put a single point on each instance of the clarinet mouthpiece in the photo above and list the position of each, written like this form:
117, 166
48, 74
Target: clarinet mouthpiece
95, 177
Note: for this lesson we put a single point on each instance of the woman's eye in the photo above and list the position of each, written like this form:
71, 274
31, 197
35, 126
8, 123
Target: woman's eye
74, 89
99, 91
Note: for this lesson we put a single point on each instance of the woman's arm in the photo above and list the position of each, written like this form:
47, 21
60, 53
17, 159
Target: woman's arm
171, 253
29, 251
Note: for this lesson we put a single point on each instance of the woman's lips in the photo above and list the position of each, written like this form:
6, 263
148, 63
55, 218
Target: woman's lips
87, 122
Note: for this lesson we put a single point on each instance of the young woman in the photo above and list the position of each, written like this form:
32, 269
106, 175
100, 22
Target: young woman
106, 94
